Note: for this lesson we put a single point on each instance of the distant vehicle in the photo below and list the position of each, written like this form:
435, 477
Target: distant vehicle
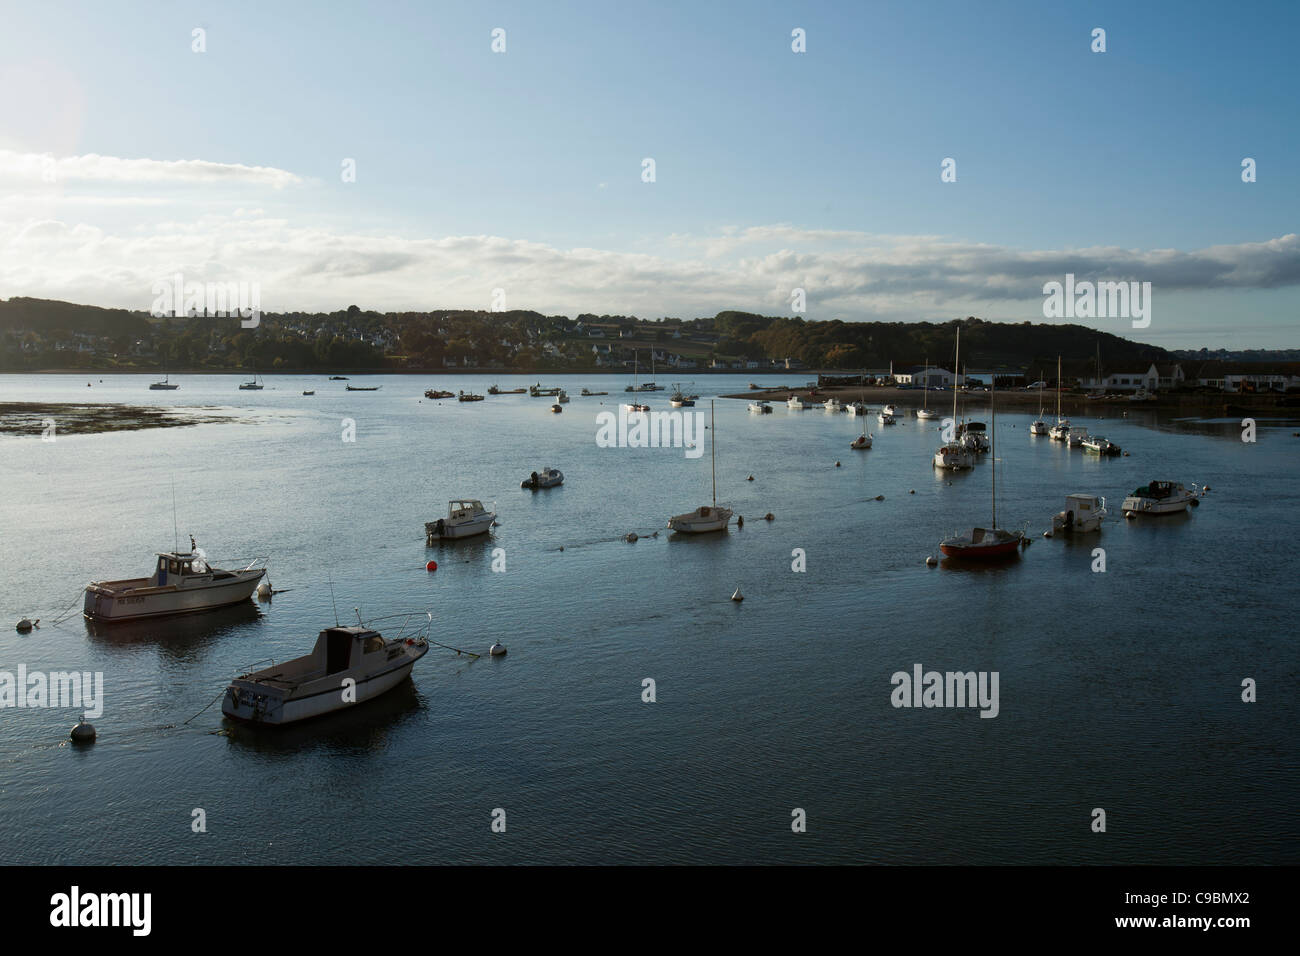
1034, 385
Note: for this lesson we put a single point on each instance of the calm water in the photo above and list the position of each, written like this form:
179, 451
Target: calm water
1118, 690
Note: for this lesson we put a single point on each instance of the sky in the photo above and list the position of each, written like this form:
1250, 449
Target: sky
128, 156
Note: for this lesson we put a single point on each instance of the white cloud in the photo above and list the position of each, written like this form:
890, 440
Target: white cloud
113, 169
847, 275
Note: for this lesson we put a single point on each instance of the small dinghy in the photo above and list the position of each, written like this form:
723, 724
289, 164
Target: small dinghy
348, 666
543, 478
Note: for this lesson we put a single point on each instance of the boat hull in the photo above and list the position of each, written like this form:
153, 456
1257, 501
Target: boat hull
1134, 505
454, 532
106, 603
713, 519
254, 703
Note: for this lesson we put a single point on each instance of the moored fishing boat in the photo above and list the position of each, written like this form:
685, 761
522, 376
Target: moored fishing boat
469, 397
761, 407
349, 665
362, 388
973, 435
182, 583
1081, 514
795, 402
1159, 498
438, 393
1101, 445
682, 400
466, 517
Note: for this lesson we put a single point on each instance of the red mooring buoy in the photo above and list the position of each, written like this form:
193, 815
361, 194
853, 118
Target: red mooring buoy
431, 566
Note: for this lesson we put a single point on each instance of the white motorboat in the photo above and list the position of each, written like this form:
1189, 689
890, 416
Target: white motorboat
973, 435
562, 398
926, 413
1159, 498
1076, 435
1100, 445
465, 518
1081, 514
182, 583
954, 456
884, 417
543, 478
705, 518
857, 408
890, 410
833, 405
348, 666
795, 402
761, 407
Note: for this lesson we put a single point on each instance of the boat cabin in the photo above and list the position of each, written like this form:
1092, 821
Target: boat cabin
175, 566
344, 648
1083, 506
467, 508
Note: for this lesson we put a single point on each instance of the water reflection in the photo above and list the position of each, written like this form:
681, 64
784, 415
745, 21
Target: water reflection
180, 638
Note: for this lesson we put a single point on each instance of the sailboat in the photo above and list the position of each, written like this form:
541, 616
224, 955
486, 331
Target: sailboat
163, 386
955, 456
1039, 427
925, 411
634, 405
706, 517
254, 384
1061, 430
863, 441
983, 544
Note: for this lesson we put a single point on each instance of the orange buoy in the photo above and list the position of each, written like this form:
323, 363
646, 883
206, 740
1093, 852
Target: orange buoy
431, 566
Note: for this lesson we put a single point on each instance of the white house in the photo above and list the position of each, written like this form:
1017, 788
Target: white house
919, 376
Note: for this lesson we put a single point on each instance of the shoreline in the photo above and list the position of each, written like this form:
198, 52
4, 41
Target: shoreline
1228, 402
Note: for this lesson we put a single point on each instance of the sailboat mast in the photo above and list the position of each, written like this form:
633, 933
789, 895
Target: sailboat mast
713, 450
956, 375
1058, 390
993, 441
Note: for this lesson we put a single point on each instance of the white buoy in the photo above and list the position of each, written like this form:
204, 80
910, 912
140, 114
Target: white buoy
264, 591
738, 597
497, 650
83, 733
931, 561
25, 625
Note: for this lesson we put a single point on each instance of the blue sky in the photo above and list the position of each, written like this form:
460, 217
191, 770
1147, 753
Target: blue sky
522, 170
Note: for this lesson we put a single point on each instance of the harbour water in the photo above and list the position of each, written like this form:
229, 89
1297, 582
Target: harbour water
1119, 689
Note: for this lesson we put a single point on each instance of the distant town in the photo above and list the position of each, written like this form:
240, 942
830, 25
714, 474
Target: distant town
48, 335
